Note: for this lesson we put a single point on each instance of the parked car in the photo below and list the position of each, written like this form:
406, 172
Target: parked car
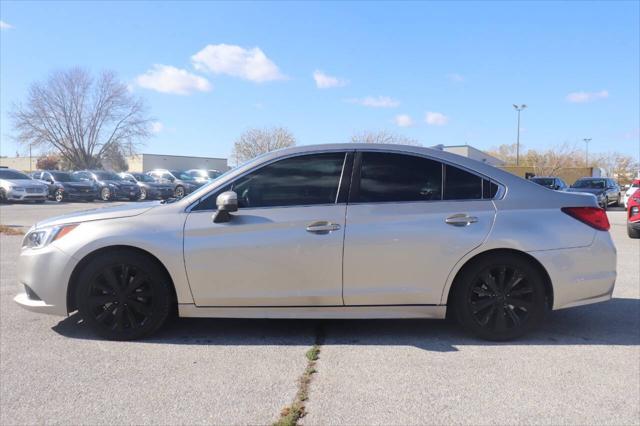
633, 215
204, 176
183, 182
629, 191
149, 188
17, 186
551, 182
606, 190
429, 232
110, 186
65, 186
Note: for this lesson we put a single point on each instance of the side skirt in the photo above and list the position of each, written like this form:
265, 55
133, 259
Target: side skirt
316, 312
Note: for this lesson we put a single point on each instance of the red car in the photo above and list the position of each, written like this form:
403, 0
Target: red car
633, 215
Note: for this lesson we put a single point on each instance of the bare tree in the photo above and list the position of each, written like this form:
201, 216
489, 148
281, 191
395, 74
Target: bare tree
254, 142
505, 152
551, 161
619, 166
383, 136
80, 117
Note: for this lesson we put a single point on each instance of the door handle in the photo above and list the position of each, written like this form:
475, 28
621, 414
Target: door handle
460, 219
322, 227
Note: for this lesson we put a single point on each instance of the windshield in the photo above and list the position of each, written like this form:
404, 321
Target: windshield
12, 174
590, 184
213, 174
197, 173
107, 176
181, 175
65, 177
143, 178
543, 181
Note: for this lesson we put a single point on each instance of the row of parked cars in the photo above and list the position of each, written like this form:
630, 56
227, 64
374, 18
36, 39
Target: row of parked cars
89, 185
606, 190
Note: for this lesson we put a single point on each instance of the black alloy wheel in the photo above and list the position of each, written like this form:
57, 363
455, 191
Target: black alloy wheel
500, 299
59, 195
179, 192
124, 296
143, 194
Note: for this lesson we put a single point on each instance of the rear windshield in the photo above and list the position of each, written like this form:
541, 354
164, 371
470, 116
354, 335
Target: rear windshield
590, 183
12, 174
543, 181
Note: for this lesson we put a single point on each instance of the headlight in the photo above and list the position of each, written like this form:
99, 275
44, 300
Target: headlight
41, 237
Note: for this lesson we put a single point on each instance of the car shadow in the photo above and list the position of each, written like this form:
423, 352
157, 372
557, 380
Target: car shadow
616, 322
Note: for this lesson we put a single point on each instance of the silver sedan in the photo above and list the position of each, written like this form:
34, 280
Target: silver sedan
329, 231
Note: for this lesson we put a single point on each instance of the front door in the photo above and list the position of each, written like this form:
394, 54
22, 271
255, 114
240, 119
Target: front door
410, 219
283, 247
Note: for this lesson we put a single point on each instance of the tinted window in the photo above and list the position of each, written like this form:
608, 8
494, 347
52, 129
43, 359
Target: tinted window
461, 185
489, 189
397, 177
304, 180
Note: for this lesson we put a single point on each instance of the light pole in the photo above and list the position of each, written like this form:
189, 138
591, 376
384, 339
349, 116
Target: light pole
518, 108
586, 157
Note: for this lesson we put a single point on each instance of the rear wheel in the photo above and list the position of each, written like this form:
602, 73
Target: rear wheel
123, 295
143, 194
499, 297
105, 194
3, 196
179, 192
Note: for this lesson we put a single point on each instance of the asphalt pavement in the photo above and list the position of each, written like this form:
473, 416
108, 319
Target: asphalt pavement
581, 367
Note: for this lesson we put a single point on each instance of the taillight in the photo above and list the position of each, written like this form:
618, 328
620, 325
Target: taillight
595, 217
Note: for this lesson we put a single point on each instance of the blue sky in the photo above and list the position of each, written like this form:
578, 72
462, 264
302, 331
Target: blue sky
437, 72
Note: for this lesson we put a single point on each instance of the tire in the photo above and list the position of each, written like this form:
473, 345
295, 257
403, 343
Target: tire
631, 232
105, 194
3, 196
58, 196
179, 191
485, 309
606, 203
143, 194
124, 309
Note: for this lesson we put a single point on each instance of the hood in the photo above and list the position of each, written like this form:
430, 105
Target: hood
76, 184
594, 191
126, 210
23, 182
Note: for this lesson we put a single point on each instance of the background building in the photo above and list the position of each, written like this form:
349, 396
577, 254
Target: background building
473, 153
146, 162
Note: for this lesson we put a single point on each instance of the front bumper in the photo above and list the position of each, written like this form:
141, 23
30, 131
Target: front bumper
581, 275
120, 193
26, 196
47, 272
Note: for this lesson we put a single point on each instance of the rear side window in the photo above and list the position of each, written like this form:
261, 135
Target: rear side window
462, 185
397, 177
489, 189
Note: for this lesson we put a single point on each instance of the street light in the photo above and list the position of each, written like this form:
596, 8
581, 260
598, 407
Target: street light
586, 158
518, 108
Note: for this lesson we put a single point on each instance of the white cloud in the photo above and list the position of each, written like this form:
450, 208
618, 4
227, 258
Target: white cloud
375, 102
582, 97
157, 127
403, 120
249, 64
168, 79
5, 26
436, 118
455, 78
326, 81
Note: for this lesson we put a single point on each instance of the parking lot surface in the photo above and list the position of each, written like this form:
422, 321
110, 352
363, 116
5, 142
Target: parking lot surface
581, 367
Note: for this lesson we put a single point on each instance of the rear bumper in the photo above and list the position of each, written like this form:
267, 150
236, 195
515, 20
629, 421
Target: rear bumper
581, 276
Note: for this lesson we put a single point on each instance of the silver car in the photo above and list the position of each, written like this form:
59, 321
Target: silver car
16, 186
329, 231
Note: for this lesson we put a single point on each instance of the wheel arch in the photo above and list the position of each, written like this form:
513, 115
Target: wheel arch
548, 285
73, 280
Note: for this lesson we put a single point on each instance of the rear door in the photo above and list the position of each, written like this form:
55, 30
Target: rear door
410, 219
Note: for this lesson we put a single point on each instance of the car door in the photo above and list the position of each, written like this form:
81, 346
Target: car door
410, 219
283, 247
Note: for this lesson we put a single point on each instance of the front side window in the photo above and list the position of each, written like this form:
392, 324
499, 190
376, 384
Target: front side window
388, 177
298, 181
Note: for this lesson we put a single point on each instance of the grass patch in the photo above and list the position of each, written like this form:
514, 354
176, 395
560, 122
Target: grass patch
11, 230
290, 415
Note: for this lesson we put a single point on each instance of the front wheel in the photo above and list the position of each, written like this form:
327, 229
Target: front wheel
105, 194
143, 194
59, 196
179, 192
499, 297
3, 196
124, 295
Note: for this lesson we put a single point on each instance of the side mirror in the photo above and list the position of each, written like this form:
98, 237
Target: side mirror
227, 202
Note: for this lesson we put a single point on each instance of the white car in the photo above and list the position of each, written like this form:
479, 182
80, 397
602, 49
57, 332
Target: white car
329, 231
629, 192
16, 186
